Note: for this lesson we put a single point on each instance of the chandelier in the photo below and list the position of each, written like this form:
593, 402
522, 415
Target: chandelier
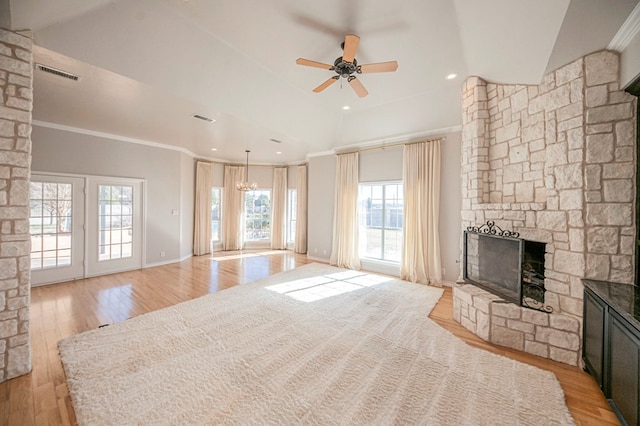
245, 185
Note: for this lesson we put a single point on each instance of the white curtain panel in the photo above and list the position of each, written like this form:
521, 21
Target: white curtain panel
421, 245
279, 209
344, 252
232, 209
301, 210
202, 222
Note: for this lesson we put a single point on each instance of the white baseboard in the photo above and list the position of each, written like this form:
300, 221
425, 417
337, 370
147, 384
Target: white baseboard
318, 259
164, 262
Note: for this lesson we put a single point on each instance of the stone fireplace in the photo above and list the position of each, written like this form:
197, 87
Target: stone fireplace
556, 163
509, 267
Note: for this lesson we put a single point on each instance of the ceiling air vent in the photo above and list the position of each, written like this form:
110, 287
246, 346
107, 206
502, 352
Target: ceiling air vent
203, 118
275, 140
57, 72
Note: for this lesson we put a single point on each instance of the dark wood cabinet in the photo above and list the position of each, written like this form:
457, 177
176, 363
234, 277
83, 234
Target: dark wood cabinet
593, 336
611, 349
624, 348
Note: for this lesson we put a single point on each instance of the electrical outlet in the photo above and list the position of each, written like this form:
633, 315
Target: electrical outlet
162, 253
444, 271
315, 250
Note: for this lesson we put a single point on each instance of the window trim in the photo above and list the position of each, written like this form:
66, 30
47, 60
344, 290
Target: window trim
291, 215
383, 184
245, 219
219, 220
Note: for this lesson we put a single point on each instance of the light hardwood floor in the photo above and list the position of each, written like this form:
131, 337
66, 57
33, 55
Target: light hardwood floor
61, 310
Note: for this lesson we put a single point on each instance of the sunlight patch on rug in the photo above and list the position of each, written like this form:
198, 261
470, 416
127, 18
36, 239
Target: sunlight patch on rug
254, 355
321, 286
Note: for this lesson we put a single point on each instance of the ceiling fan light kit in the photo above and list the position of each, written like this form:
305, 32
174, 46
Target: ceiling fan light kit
346, 66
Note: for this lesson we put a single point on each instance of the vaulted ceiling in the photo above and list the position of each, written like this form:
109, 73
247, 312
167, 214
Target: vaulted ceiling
146, 66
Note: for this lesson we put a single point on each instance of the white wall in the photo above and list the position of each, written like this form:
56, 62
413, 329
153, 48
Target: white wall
450, 205
292, 177
321, 182
218, 174
381, 165
386, 165
187, 204
61, 151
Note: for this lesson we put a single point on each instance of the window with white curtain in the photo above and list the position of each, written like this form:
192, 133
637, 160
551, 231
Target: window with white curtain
216, 208
291, 215
380, 221
257, 212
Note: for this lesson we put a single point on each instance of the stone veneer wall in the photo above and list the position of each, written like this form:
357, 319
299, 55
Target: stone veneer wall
16, 78
556, 162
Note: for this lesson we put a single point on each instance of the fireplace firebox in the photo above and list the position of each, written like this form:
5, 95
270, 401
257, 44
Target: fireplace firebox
505, 265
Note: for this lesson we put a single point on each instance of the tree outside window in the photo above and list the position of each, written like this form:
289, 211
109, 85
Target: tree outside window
257, 215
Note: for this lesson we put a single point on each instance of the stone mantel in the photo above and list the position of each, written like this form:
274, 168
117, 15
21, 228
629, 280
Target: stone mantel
556, 162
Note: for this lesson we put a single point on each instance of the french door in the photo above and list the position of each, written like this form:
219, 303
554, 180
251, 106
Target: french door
114, 224
56, 224
82, 227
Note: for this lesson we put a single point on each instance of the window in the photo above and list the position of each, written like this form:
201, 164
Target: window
381, 208
291, 215
257, 210
216, 197
115, 221
50, 224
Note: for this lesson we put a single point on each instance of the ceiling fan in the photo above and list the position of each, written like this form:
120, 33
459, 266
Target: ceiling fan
347, 65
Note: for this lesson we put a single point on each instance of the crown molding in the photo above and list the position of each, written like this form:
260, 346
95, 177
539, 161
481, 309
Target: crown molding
111, 136
394, 140
627, 31
128, 139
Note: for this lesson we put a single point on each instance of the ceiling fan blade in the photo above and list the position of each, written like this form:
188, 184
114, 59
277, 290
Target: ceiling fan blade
351, 42
358, 87
326, 84
310, 63
378, 67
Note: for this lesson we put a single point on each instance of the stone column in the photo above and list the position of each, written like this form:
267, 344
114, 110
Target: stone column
16, 85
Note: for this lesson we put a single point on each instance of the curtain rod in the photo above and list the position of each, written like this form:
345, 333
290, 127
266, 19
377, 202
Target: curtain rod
226, 163
373, 148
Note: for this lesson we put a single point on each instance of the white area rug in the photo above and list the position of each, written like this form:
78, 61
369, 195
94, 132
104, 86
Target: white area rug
316, 345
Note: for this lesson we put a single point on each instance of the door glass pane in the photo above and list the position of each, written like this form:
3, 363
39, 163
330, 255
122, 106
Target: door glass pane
50, 224
115, 223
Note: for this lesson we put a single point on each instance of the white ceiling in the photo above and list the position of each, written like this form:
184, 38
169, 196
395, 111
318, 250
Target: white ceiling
147, 65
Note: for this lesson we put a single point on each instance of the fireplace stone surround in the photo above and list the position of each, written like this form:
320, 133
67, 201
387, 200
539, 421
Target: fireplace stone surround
555, 162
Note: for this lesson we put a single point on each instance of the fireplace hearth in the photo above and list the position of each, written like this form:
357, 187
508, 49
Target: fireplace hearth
505, 265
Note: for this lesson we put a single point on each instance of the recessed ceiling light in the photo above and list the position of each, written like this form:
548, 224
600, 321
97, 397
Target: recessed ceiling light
278, 152
346, 107
451, 76
214, 149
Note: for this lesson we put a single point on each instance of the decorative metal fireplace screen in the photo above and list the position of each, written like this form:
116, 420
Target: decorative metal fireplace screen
505, 265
